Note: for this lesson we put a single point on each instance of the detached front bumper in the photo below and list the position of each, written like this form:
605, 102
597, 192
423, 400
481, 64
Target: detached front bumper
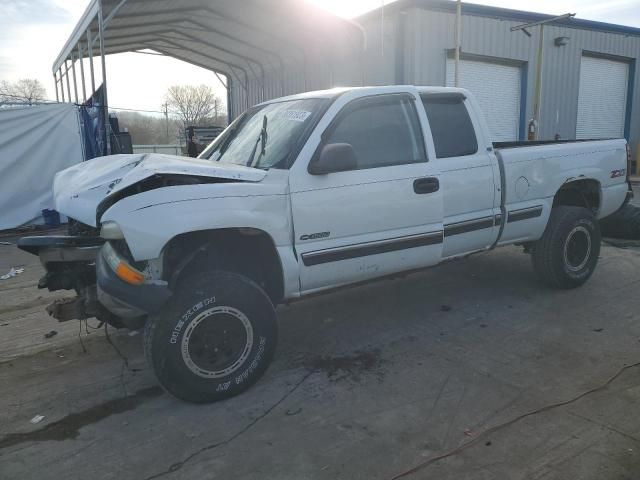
124, 299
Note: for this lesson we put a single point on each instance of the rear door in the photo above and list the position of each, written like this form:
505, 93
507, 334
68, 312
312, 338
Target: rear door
468, 173
382, 217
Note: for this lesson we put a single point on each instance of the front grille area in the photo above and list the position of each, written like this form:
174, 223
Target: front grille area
79, 229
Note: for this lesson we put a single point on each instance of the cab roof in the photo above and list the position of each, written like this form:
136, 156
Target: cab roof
335, 92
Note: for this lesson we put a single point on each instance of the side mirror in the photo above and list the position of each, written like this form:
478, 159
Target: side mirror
334, 157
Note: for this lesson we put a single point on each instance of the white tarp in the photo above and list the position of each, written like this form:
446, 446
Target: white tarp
35, 143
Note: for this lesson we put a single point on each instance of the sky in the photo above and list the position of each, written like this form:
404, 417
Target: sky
32, 33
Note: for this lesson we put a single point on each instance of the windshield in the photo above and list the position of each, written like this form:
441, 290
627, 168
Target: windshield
265, 136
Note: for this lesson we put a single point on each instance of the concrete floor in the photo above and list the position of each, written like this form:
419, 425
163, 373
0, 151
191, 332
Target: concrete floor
473, 360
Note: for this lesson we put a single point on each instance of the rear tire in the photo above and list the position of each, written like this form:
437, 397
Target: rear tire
567, 254
214, 339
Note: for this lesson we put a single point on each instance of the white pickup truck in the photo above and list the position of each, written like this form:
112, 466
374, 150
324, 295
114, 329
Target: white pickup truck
305, 194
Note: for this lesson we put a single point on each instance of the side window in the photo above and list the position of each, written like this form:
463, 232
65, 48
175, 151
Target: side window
383, 131
451, 127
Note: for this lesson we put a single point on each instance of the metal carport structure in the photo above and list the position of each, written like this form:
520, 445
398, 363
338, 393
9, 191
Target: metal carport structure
247, 41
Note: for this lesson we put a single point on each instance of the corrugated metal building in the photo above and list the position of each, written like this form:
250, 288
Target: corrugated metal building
589, 69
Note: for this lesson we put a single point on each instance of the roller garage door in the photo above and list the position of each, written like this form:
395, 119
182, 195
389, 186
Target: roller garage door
497, 89
602, 98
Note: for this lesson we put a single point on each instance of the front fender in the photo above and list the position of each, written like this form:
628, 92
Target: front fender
151, 219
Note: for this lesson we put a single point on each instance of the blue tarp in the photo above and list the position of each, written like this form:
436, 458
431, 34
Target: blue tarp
92, 116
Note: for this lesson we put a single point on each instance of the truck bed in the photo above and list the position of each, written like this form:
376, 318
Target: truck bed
532, 176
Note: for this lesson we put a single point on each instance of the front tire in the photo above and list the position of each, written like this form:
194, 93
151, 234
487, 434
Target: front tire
214, 339
566, 255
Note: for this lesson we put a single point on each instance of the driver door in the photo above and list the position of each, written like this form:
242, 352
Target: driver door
381, 216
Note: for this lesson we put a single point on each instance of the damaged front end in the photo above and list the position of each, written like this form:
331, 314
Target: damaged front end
94, 260
70, 265
129, 289
108, 284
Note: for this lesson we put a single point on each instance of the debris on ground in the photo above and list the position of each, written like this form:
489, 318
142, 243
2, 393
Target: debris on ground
445, 308
598, 330
3, 324
37, 419
6, 243
12, 273
52, 333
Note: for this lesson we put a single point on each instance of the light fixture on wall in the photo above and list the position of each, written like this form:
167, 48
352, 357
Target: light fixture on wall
560, 41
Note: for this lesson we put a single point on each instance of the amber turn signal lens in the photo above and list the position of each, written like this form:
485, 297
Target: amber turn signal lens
129, 275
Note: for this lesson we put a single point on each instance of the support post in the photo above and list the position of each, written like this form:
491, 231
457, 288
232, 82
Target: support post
104, 79
230, 109
227, 86
538, 92
80, 57
66, 74
75, 82
456, 81
90, 49
61, 84
533, 128
55, 81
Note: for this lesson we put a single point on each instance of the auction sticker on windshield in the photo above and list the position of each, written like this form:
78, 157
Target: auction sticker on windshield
296, 115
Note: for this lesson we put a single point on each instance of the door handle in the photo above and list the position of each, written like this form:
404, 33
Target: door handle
426, 185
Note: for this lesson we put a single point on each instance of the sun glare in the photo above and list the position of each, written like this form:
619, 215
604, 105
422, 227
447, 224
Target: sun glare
350, 8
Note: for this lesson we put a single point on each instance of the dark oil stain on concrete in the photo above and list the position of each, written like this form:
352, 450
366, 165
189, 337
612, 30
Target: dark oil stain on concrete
69, 426
349, 366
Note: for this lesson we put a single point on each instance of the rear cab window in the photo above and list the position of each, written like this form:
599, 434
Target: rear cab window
451, 126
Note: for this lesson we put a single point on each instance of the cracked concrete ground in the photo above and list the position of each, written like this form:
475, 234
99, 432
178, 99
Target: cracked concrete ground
474, 361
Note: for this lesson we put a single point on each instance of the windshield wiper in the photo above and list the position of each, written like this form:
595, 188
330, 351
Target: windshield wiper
262, 139
227, 141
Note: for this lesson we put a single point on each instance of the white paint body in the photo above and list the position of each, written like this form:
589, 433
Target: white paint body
365, 208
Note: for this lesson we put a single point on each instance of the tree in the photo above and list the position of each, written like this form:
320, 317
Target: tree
25, 90
194, 105
149, 130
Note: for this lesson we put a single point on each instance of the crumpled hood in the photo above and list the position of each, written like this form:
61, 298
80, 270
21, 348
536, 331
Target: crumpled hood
78, 190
